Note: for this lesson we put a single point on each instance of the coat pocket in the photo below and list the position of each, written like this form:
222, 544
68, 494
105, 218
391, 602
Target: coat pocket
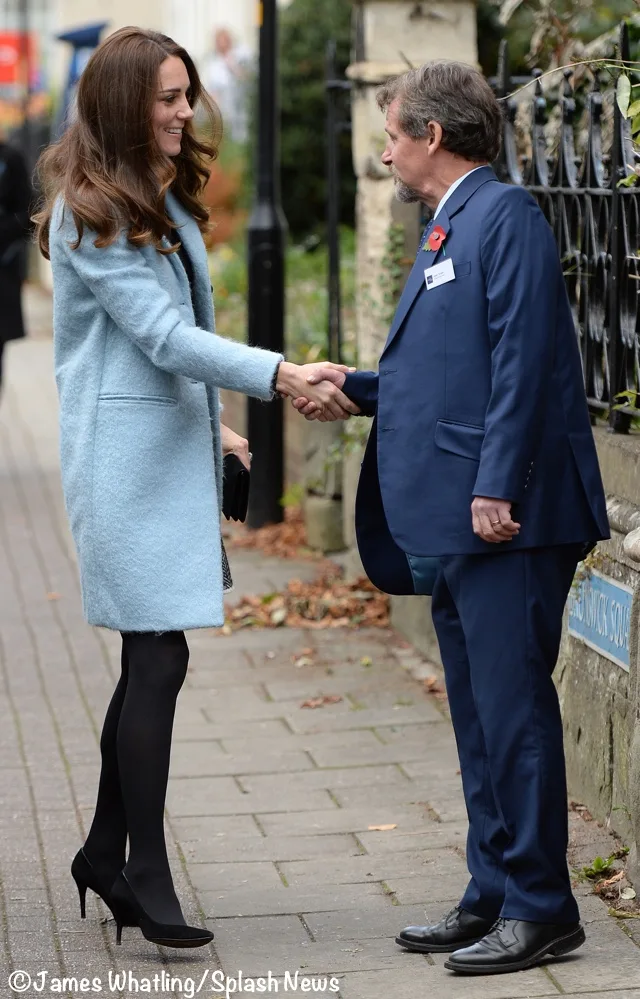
154, 400
459, 438
462, 268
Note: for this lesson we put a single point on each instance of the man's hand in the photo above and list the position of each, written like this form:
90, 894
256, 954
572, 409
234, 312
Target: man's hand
316, 385
324, 372
492, 520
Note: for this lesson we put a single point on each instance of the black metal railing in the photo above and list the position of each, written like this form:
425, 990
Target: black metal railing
597, 228
338, 121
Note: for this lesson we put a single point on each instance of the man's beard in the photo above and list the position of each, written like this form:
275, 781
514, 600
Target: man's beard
404, 193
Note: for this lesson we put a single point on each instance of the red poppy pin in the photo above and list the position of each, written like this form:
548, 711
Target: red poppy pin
436, 238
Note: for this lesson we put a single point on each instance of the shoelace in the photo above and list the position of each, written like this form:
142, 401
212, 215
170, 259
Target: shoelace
499, 924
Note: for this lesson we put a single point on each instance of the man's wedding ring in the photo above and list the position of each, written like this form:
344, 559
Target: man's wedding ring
494, 523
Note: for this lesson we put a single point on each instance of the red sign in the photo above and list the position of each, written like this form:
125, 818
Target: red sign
14, 54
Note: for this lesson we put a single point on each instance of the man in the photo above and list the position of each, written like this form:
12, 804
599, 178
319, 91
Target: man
226, 75
15, 227
482, 455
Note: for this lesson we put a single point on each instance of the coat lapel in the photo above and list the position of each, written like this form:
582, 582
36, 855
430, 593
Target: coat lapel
191, 238
426, 258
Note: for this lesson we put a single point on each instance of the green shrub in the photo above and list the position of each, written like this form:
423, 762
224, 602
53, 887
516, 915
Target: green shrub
306, 296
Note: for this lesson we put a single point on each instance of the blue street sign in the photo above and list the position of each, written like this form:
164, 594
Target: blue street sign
600, 616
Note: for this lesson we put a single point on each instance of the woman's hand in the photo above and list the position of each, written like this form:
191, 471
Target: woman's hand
233, 443
330, 403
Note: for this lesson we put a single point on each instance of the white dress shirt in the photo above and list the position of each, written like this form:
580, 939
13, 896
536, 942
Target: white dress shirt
455, 184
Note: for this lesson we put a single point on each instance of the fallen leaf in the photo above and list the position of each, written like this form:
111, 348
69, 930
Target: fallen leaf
611, 881
432, 685
324, 602
386, 828
621, 914
285, 540
319, 702
582, 810
302, 661
248, 622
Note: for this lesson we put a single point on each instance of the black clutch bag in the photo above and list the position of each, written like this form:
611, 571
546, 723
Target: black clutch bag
235, 488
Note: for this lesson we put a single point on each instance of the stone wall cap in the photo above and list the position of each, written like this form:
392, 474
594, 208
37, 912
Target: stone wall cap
624, 517
631, 545
375, 73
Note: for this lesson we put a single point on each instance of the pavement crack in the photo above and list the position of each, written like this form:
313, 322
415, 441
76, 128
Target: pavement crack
401, 769
314, 765
259, 825
360, 845
306, 927
4, 915
389, 892
431, 812
281, 874
552, 979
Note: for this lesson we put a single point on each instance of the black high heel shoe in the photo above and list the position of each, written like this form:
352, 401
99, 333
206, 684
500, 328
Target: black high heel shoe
158, 933
86, 876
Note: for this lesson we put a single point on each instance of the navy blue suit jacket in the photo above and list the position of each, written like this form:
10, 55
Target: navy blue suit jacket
479, 392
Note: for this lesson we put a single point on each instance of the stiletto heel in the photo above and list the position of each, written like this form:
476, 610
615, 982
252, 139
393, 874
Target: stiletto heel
158, 933
82, 892
118, 932
86, 876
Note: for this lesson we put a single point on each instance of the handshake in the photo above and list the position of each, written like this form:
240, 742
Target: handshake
316, 390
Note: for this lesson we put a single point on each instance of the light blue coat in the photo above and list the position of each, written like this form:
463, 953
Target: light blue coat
138, 369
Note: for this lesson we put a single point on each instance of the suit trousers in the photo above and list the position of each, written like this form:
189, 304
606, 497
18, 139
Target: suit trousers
498, 618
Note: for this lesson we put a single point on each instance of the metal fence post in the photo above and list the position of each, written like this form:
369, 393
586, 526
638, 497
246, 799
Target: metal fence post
618, 421
265, 245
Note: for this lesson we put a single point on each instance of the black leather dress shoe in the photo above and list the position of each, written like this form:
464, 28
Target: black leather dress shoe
458, 928
513, 945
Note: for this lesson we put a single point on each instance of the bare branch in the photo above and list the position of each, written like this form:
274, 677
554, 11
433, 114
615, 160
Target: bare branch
608, 64
508, 8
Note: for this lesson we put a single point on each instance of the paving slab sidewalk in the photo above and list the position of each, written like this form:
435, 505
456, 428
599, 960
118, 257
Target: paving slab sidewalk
272, 807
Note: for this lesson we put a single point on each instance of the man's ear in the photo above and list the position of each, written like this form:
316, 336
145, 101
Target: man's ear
433, 137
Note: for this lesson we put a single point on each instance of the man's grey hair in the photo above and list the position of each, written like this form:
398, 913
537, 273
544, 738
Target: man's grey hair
456, 96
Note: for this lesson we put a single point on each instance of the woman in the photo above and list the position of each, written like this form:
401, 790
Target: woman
138, 368
15, 202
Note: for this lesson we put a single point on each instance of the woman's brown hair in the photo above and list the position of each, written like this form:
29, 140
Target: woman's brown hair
108, 166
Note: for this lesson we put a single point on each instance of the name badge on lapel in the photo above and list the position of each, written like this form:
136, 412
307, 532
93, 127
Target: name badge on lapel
439, 274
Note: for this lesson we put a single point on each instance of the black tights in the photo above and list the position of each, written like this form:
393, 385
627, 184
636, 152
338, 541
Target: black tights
136, 748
